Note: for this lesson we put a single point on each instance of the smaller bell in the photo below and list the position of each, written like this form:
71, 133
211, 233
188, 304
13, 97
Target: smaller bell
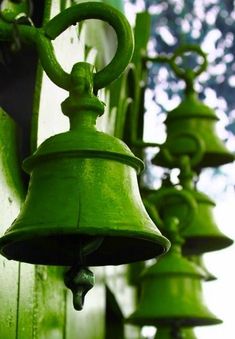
195, 118
171, 294
202, 233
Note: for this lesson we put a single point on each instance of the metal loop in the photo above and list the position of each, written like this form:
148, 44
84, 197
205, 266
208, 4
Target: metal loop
75, 14
195, 159
188, 73
159, 198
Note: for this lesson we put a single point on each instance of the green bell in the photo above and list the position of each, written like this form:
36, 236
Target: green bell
195, 118
168, 333
83, 204
200, 232
171, 294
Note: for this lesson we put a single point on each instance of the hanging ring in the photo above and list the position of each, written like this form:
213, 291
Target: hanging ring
159, 200
195, 158
72, 16
188, 73
41, 38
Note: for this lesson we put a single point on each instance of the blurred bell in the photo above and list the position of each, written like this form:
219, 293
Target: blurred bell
171, 294
196, 118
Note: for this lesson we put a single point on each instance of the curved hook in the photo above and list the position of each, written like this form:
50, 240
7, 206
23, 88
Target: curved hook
41, 38
75, 14
159, 200
197, 156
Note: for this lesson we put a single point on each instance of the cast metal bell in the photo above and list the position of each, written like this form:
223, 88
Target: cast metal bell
197, 119
83, 203
171, 294
201, 234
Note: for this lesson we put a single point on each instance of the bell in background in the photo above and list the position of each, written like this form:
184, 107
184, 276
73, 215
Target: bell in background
169, 333
200, 232
203, 235
83, 204
171, 291
194, 117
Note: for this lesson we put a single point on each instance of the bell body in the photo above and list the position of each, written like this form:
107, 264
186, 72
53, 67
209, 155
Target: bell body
193, 117
201, 233
172, 295
166, 333
83, 197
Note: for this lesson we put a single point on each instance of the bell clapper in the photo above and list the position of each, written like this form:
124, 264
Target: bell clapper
80, 280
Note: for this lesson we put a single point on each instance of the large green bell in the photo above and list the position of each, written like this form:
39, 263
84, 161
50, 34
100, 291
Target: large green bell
196, 118
172, 294
168, 333
83, 204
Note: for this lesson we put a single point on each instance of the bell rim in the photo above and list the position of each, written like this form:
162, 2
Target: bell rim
158, 241
210, 159
189, 247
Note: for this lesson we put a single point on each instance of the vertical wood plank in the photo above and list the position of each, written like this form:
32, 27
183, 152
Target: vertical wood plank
11, 193
25, 301
49, 303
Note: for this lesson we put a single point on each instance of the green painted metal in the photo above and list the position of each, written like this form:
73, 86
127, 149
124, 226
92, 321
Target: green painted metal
73, 213
25, 293
157, 204
41, 39
194, 117
202, 234
172, 293
199, 230
80, 280
90, 323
